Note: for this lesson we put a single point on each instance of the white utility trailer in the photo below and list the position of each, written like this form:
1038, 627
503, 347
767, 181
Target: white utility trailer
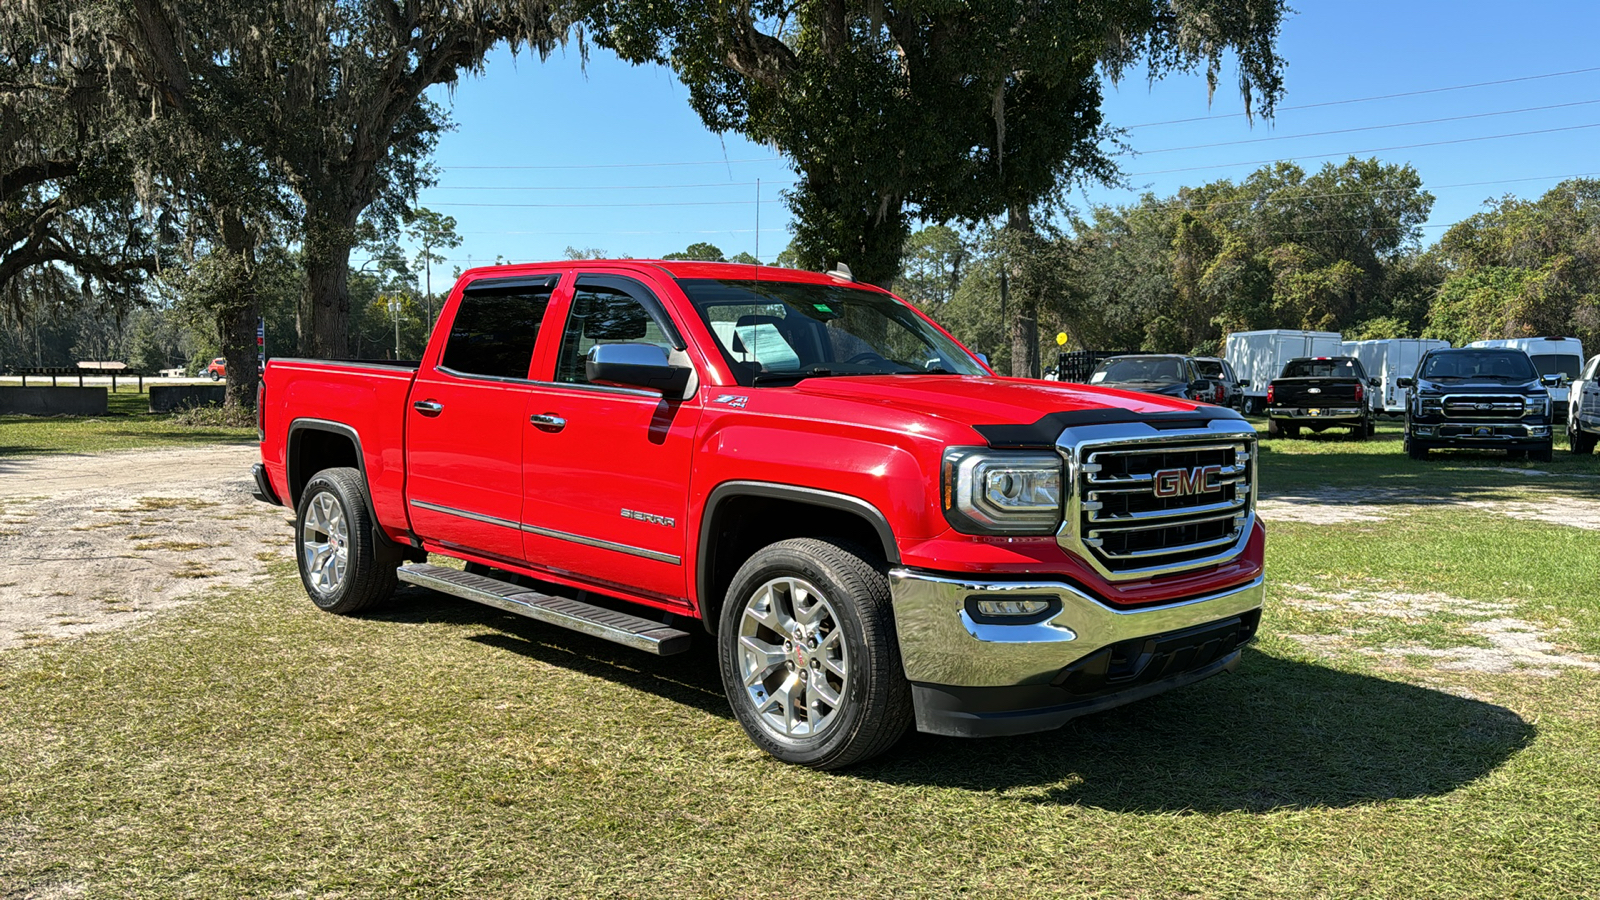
1259, 356
1391, 359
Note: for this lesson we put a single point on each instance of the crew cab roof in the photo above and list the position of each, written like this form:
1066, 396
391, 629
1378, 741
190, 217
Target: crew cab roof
685, 269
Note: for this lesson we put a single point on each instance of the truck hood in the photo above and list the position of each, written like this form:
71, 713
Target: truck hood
896, 400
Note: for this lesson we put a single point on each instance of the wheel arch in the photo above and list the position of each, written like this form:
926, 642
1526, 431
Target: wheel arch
741, 517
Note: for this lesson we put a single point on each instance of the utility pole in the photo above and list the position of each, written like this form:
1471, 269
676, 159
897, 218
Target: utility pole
758, 221
394, 307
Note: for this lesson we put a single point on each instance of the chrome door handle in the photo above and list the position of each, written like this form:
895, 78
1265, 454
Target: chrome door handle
429, 408
548, 422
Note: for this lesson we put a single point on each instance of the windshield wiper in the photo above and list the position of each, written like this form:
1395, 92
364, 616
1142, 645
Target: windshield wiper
797, 375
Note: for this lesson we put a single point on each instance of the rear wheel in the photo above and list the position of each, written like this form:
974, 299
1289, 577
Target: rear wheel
344, 566
808, 654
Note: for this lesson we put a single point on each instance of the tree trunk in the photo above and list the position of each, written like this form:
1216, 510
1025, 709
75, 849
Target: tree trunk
1024, 312
236, 320
324, 315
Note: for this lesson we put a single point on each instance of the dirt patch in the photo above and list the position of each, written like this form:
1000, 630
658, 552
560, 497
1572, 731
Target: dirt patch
100, 541
1514, 645
1347, 506
1554, 508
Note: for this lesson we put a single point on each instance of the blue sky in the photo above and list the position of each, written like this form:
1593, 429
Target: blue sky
609, 156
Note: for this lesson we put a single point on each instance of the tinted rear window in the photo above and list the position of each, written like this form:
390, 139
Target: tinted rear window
1320, 368
496, 326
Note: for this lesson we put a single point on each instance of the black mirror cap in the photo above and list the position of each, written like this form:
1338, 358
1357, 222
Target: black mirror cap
1405, 382
1551, 380
1373, 382
636, 365
1244, 382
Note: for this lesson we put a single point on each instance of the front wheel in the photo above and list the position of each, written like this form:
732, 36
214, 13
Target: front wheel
343, 564
1579, 441
1545, 453
809, 660
1415, 448
215, 376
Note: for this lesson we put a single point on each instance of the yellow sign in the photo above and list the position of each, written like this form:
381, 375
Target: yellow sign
1061, 339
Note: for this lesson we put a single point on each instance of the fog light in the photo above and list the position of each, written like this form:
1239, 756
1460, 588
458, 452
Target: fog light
1012, 607
1425, 429
1538, 431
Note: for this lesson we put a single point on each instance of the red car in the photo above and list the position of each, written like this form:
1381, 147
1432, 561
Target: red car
218, 369
874, 530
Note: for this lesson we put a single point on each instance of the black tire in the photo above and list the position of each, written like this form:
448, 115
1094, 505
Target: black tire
215, 376
1291, 430
1416, 449
873, 708
369, 563
1274, 429
1546, 453
1579, 441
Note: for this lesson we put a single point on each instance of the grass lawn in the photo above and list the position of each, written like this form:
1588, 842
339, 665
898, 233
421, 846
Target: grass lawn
1386, 737
127, 425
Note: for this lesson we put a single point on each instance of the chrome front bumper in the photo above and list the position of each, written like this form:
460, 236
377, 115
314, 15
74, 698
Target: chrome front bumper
940, 643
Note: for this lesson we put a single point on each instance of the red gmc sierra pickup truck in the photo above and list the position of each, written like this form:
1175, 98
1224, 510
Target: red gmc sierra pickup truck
874, 529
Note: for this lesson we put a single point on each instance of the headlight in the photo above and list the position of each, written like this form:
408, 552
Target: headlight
999, 492
1430, 403
1538, 405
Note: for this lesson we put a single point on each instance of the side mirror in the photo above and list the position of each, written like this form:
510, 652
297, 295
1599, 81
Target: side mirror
1552, 381
1373, 382
1405, 382
636, 365
1199, 387
1244, 382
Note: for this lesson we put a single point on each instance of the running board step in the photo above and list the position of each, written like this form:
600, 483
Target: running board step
618, 627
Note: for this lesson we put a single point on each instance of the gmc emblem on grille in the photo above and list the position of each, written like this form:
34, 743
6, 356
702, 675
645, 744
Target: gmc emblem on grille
1184, 482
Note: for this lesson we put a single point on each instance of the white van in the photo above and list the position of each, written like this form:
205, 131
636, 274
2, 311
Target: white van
1259, 356
1389, 359
1551, 356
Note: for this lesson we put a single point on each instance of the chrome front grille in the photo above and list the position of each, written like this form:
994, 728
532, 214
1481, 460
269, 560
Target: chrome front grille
1159, 504
1483, 406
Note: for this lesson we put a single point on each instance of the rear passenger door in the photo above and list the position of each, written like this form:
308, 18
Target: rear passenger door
466, 425
605, 468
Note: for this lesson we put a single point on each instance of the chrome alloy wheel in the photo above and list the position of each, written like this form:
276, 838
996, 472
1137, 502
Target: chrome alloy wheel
325, 541
793, 659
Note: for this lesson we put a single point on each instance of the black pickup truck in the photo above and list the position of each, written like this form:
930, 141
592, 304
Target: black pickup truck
1321, 392
1491, 398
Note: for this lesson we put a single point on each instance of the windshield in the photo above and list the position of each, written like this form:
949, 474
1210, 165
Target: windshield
1504, 365
1138, 369
1320, 368
781, 331
1557, 364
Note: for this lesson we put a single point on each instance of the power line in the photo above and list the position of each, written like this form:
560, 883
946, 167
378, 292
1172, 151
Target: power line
1180, 204
608, 187
657, 165
1260, 162
608, 205
1290, 137
1439, 90
635, 233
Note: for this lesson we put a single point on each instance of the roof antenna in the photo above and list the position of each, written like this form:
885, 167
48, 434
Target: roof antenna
840, 270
